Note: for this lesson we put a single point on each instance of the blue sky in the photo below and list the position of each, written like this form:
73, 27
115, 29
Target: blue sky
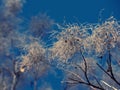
69, 11
83, 10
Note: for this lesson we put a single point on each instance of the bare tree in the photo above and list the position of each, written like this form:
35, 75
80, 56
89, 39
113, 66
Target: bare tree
89, 54
40, 25
9, 40
93, 43
33, 61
